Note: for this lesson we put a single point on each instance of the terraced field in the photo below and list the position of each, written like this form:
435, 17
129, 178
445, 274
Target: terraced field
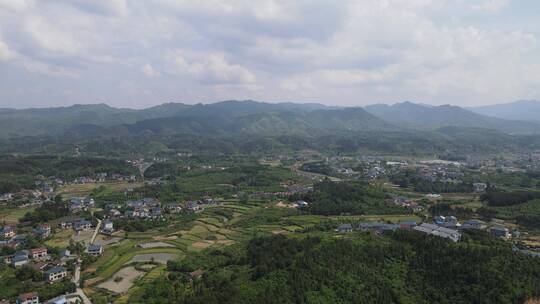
12, 215
209, 228
85, 189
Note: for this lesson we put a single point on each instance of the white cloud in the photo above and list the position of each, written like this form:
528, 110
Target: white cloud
210, 68
346, 52
149, 71
491, 6
5, 52
103, 7
16, 5
51, 38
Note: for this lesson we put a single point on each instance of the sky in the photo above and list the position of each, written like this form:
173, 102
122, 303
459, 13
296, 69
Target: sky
132, 53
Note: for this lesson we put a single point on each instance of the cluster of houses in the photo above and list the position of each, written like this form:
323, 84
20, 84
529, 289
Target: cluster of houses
45, 187
33, 298
102, 177
407, 203
76, 224
78, 204
289, 191
380, 227
39, 259
496, 229
151, 208
446, 227
147, 208
441, 171
25, 198
80, 225
10, 238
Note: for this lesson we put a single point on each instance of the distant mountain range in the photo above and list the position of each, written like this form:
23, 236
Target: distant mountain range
518, 110
247, 117
416, 115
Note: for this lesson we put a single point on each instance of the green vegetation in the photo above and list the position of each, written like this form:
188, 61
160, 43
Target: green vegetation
497, 199
402, 268
331, 198
221, 182
410, 178
18, 173
47, 212
16, 281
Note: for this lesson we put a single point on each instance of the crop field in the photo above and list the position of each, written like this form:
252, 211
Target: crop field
61, 238
12, 215
85, 189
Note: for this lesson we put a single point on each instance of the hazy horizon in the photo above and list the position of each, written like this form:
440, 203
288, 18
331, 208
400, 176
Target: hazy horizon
262, 101
134, 54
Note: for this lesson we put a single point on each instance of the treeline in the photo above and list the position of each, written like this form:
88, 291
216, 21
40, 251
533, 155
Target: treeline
353, 197
118, 142
63, 167
498, 199
18, 173
195, 184
46, 212
164, 169
131, 225
410, 179
26, 279
447, 209
405, 268
529, 221
317, 167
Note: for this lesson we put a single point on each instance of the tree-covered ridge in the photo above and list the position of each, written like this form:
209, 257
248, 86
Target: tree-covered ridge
403, 268
498, 198
246, 177
351, 197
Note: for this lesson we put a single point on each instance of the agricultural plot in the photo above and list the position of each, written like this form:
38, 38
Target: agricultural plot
122, 280
83, 236
310, 220
12, 215
60, 239
154, 245
161, 258
209, 228
85, 189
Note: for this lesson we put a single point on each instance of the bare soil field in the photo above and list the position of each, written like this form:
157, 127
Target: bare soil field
122, 281
83, 236
105, 240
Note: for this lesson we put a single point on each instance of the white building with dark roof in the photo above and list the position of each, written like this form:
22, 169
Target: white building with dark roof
431, 229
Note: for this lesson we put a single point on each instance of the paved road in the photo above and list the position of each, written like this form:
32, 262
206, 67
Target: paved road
317, 176
96, 231
77, 274
79, 292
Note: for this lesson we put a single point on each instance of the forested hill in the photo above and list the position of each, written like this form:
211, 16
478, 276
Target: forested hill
518, 110
243, 118
402, 268
89, 119
224, 118
431, 117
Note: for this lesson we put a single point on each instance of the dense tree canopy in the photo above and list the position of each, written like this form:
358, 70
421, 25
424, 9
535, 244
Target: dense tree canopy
330, 198
403, 268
